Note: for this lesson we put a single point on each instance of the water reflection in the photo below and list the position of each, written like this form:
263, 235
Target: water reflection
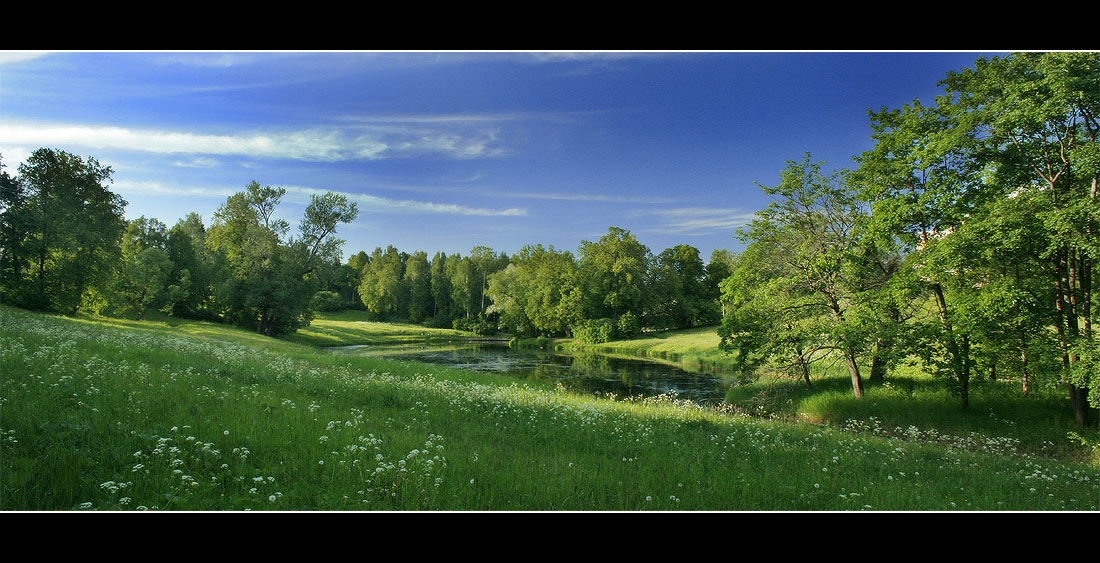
588, 373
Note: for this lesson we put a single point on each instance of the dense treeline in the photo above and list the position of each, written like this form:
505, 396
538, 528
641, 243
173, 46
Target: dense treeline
965, 240
66, 246
615, 288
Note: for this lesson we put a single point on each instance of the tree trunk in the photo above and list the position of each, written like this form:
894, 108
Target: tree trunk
1066, 280
849, 354
957, 347
853, 369
803, 366
1023, 361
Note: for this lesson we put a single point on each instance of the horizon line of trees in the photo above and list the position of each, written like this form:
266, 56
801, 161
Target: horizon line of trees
614, 288
966, 240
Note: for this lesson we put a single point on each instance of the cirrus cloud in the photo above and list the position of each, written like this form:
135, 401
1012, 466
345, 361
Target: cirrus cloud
313, 144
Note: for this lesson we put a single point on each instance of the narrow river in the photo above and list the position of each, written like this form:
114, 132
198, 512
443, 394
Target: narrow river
588, 373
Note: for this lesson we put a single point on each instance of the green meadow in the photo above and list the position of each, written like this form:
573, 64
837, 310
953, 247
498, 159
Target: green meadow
106, 414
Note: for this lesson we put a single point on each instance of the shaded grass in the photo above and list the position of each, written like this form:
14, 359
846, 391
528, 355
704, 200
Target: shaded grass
111, 416
1039, 423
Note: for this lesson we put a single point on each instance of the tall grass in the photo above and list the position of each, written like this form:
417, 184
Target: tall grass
104, 415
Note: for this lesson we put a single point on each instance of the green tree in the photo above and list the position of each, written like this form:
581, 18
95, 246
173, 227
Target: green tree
613, 274
62, 228
187, 282
537, 293
921, 183
380, 288
418, 277
1037, 116
812, 232
271, 277
441, 291
145, 266
677, 290
768, 319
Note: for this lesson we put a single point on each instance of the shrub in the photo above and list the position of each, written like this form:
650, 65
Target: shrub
595, 331
327, 301
628, 326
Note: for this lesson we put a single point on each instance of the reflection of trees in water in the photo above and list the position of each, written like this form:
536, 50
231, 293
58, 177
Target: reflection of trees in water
603, 369
583, 373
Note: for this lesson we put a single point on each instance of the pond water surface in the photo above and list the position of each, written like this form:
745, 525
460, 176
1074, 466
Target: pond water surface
588, 373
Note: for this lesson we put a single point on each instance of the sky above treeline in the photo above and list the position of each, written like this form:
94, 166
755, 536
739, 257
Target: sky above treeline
444, 151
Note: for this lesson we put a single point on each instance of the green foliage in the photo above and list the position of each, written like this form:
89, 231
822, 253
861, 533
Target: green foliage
61, 228
477, 325
798, 292
327, 301
381, 288
269, 278
146, 264
595, 331
613, 273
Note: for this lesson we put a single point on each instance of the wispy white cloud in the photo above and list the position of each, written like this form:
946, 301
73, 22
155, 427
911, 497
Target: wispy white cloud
212, 59
7, 57
585, 197
697, 221
300, 195
128, 187
197, 163
371, 203
316, 144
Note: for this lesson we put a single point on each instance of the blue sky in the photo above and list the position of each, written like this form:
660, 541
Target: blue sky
443, 151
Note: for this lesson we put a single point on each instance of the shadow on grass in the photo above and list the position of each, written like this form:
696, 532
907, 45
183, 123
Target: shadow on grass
1040, 422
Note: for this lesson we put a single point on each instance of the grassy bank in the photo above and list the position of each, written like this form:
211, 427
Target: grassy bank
347, 328
112, 415
694, 349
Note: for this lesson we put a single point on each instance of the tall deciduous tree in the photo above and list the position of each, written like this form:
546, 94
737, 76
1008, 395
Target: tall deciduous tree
418, 276
921, 183
271, 277
811, 229
380, 288
613, 273
1038, 117
146, 264
538, 292
70, 225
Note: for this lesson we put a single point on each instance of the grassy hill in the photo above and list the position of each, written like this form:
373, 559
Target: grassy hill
105, 414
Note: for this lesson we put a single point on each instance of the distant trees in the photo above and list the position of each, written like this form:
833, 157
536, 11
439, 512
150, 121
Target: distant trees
537, 293
682, 290
142, 277
615, 289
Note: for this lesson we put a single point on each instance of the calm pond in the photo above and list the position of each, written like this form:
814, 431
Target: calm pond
588, 373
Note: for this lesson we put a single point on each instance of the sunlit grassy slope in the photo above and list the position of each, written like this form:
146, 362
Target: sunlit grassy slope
345, 328
693, 349
114, 415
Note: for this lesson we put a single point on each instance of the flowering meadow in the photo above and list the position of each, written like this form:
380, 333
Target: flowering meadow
97, 414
